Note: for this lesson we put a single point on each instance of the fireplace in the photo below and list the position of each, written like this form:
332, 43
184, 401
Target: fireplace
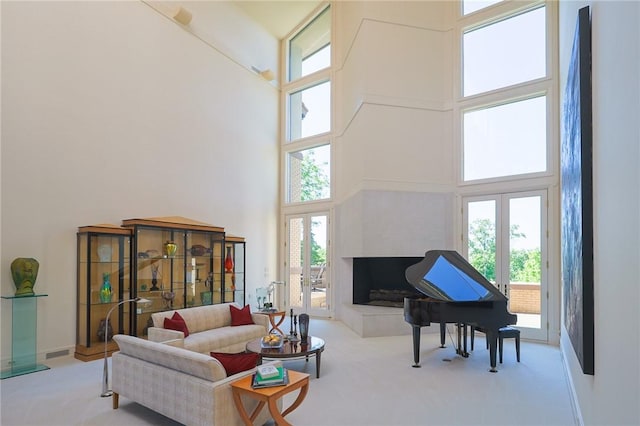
380, 281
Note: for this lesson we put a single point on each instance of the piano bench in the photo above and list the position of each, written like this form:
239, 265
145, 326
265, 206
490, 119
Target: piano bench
509, 332
503, 333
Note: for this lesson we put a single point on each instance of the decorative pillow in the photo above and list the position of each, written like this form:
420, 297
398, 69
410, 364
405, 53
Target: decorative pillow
241, 316
235, 363
176, 322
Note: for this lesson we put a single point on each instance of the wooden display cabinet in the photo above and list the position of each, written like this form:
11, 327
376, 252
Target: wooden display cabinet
103, 257
173, 262
177, 263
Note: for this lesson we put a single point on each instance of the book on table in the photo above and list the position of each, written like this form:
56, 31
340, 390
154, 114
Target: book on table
280, 380
268, 372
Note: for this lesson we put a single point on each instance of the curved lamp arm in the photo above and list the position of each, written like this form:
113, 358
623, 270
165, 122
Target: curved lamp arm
105, 371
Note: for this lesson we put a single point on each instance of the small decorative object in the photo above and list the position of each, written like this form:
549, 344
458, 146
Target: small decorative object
105, 327
272, 341
291, 319
208, 282
206, 297
198, 250
104, 253
24, 271
228, 261
151, 253
293, 335
105, 289
170, 249
304, 327
143, 287
154, 277
167, 298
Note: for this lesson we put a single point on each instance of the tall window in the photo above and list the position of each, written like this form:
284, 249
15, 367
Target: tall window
307, 139
306, 148
508, 150
504, 92
310, 49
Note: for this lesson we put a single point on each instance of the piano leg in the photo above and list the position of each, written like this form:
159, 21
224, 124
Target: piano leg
443, 332
416, 346
492, 338
462, 347
466, 353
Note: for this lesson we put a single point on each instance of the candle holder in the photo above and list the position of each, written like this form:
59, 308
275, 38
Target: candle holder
293, 335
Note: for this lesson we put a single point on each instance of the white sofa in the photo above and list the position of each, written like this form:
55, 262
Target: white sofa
186, 386
210, 329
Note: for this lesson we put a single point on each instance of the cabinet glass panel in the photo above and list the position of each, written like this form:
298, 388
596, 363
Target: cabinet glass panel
103, 275
235, 270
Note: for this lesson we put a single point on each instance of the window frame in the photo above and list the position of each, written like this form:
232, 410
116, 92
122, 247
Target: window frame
546, 86
288, 146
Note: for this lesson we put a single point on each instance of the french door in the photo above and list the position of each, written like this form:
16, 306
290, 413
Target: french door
505, 239
307, 274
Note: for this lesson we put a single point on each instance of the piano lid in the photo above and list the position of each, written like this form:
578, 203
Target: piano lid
446, 275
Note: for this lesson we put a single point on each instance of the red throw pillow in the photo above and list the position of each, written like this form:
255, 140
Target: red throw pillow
241, 316
176, 322
235, 363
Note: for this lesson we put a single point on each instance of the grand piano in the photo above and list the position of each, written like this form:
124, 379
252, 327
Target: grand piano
455, 293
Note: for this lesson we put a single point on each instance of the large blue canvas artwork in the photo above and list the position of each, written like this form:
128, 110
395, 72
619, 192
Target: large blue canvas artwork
577, 198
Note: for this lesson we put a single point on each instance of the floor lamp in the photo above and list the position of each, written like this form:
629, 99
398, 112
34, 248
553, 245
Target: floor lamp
105, 372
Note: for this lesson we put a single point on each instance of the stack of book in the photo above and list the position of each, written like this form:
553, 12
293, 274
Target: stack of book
268, 375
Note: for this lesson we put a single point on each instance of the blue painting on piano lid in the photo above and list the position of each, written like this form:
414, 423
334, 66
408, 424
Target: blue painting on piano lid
452, 283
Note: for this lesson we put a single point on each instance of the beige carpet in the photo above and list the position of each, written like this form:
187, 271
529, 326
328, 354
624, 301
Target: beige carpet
363, 381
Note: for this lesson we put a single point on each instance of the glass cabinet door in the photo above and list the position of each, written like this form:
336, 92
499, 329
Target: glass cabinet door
202, 265
103, 281
158, 254
235, 269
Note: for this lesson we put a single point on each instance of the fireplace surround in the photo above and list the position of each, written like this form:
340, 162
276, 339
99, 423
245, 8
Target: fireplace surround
380, 281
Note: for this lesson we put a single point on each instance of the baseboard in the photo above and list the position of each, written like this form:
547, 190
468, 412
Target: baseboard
575, 403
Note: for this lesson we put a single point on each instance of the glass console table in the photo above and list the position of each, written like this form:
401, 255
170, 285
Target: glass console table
24, 316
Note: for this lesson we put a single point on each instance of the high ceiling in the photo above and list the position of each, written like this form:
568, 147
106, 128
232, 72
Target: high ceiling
278, 17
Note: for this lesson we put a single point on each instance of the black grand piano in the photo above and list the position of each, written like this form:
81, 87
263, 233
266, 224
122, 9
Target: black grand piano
455, 293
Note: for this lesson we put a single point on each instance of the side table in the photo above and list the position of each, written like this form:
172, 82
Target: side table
270, 396
273, 317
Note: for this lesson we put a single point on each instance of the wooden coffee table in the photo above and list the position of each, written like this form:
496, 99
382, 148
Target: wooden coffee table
270, 397
313, 347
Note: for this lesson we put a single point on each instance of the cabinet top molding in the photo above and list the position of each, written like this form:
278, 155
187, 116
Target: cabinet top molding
105, 228
178, 222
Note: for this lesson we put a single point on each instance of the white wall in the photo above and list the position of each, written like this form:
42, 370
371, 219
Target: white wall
111, 111
393, 152
612, 395
394, 105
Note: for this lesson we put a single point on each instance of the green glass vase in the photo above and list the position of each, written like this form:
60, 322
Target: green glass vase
105, 289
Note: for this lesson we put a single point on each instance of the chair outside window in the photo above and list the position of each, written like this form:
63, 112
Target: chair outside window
317, 283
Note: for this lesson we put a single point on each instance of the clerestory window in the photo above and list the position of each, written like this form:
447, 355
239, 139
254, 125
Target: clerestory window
505, 102
307, 100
